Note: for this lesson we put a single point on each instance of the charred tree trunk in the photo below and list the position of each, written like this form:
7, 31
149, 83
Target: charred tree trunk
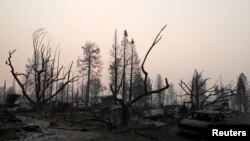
115, 68
88, 81
124, 68
131, 70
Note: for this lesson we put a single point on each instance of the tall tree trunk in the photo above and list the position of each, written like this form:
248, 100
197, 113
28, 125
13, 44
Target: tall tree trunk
88, 82
72, 91
124, 72
116, 68
57, 70
131, 74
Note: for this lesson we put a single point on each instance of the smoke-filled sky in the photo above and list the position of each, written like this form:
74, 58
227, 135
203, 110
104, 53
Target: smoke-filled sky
209, 35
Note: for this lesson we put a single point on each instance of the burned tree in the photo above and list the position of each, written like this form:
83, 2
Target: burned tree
134, 70
124, 66
242, 96
125, 62
90, 65
114, 67
200, 96
125, 105
41, 72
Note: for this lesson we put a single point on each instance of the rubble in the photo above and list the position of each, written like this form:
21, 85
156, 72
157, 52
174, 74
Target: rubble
41, 134
7, 132
27, 129
53, 124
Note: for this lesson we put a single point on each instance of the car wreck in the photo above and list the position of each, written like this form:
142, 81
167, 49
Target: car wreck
199, 122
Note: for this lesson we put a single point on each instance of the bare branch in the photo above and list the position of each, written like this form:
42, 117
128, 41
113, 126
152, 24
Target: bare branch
69, 80
186, 87
156, 40
151, 92
9, 63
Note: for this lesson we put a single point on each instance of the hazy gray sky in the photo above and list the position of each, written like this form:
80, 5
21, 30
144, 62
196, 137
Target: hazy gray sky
210, 35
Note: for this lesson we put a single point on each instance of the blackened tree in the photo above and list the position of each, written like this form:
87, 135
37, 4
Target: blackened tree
200, 96
41, 72
242, 96
90, 65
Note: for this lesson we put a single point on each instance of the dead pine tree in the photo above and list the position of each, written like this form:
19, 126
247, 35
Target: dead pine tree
116, 63
90, 64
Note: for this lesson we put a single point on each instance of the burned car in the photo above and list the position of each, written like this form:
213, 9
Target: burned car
199, 122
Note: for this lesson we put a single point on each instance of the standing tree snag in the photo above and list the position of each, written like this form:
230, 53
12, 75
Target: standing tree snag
242, 97
41, 72
127, 104
125, 61
91, 65
114, 71
134, 70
